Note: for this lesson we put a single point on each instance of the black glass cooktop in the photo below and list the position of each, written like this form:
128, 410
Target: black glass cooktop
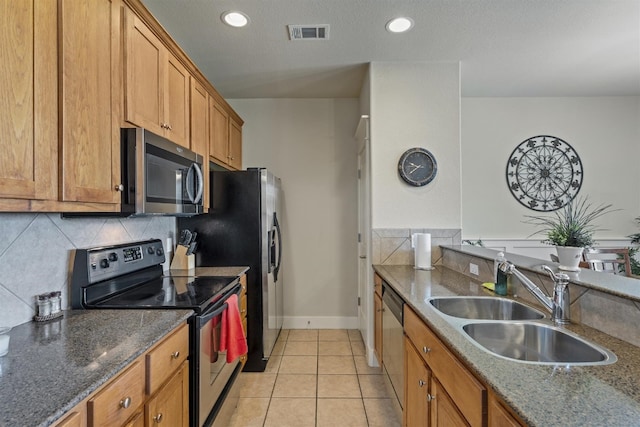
190, 292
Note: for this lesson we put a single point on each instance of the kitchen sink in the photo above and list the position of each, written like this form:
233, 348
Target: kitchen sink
537, 343
485, 308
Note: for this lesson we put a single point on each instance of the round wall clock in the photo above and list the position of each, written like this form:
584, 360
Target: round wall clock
544, 173
417, 167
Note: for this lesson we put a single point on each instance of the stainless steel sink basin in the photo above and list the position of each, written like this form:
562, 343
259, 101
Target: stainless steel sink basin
537, 343
485, 308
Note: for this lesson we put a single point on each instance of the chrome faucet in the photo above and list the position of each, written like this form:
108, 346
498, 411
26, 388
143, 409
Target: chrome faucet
558, 306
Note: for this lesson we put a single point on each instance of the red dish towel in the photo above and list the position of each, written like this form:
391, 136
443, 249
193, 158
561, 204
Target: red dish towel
232, 335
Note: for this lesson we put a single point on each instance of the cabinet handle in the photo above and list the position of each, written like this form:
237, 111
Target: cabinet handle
430, 397
175, 354
163, 125
169, 127
158, 418
119, 187
421, 383
125, 403
426, 349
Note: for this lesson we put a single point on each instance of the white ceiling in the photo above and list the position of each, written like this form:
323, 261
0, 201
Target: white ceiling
505, 47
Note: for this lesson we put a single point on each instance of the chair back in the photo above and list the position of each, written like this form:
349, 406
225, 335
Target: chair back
610, 260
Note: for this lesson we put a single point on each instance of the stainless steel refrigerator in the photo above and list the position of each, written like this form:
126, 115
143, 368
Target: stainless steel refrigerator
243, 228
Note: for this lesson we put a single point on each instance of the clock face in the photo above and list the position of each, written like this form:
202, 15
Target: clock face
417, 167
544, 173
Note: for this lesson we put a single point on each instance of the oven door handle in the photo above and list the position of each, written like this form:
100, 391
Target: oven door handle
206, 317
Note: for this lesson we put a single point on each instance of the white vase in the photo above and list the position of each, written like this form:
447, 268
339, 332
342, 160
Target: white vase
569, 257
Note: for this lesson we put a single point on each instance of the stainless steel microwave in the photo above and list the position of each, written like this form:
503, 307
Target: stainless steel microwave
159, 177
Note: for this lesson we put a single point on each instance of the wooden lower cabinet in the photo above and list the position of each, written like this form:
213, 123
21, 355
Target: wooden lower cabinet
455, 397
444, 412
242, 306
125, 400
136, 421
377, 331
170, 406
416, 388
499, 415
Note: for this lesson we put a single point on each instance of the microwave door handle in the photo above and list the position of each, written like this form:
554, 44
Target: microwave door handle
187, 186
200, 184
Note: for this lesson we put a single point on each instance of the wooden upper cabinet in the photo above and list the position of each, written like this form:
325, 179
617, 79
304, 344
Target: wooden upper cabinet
28, 101
176, 102
143, 56
235, 144
89, 98
225, 136
200, 130
218, 131
156, 84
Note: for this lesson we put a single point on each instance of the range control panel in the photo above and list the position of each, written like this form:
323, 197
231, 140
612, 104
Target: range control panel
107, 262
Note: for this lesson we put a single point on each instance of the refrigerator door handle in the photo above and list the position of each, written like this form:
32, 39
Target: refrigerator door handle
277, 268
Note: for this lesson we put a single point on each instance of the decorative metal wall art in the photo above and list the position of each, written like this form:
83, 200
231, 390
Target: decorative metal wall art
544, 173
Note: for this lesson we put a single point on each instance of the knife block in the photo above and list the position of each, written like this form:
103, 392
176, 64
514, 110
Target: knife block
182, 261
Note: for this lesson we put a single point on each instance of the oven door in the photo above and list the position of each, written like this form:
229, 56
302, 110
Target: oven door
215, 378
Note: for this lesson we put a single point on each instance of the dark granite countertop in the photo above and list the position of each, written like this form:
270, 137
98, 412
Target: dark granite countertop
542, 395
212, 271
52, 366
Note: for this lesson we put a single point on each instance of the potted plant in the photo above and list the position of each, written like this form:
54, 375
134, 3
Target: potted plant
570, 229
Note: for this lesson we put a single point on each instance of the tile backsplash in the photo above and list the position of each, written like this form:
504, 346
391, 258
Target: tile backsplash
392, 246
35, 251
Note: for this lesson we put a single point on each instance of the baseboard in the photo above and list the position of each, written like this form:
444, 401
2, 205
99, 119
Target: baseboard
322, 322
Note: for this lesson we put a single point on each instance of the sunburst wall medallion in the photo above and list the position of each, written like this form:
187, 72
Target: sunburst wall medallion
544, 173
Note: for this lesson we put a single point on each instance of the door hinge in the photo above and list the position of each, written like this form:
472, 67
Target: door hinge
359, 238
358, 301
359, 174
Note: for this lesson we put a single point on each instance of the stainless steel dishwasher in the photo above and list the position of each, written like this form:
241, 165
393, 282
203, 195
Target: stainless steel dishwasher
392, 340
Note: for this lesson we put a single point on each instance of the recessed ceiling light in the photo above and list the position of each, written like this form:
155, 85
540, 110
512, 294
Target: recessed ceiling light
235, 19
399, 25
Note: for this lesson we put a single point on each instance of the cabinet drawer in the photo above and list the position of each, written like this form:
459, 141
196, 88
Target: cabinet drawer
119, 399
377, 285
469, 395
166, 357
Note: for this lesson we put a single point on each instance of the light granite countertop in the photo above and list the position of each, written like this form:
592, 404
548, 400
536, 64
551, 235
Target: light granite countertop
52, 366
613, 284
542, 395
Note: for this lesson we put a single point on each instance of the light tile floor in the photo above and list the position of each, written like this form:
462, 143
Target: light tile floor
315, 378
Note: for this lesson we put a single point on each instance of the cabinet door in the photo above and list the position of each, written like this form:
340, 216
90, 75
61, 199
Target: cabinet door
200, 130
28, 100
377, 328
235, 145
144, 60
176, 102
416, 383
499, 416
170, 406
218, 132
90, 66
444, 412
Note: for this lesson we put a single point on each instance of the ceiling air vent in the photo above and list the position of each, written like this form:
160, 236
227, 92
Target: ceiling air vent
308, 32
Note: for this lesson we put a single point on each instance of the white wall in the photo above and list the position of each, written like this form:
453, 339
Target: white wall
309, 144
415, 105
605, 132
